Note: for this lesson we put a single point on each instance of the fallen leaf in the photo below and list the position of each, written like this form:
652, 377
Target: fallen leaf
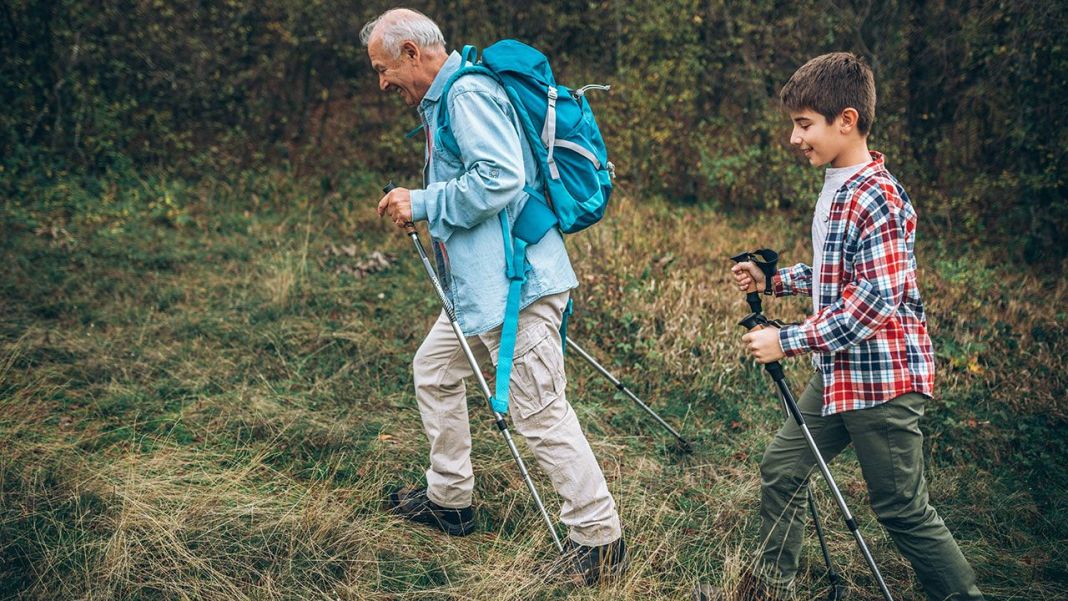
855, 488
665, 260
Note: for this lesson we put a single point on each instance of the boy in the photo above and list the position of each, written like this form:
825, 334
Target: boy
868, 336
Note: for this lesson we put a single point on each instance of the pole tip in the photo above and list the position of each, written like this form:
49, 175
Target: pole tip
683, 446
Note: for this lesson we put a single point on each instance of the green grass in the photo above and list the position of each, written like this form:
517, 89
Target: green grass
194, 403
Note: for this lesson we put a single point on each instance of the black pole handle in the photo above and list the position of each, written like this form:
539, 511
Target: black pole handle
753, 298
767, 261
754, 321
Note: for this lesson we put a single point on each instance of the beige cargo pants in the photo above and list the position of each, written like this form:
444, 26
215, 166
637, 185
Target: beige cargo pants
539, 412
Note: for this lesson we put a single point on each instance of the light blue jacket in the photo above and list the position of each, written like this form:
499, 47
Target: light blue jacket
464, 193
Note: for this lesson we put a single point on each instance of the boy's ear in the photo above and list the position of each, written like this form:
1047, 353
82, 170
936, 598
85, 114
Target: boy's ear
848, 118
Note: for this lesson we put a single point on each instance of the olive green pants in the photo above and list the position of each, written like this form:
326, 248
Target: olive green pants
889, 448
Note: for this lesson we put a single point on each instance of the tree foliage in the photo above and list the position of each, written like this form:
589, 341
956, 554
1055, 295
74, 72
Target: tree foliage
969, 113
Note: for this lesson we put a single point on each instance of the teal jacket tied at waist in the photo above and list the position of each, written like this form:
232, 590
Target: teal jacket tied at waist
464, 190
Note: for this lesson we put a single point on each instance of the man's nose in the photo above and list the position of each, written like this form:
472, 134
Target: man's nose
382, 83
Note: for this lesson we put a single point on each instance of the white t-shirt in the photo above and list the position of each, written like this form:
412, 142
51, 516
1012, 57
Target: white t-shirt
832, 181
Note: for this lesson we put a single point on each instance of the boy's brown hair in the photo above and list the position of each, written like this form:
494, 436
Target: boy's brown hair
831, 83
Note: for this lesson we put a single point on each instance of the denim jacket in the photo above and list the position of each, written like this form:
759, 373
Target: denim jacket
463, 194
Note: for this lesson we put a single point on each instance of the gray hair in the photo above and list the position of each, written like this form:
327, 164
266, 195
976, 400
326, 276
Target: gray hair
399, 25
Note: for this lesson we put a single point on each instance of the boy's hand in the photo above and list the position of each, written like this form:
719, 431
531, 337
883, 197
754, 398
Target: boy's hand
764, 344
748, 276
398, 206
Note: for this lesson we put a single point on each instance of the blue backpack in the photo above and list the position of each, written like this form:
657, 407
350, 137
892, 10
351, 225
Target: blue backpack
575, 175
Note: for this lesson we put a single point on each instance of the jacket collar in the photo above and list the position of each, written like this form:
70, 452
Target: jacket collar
451, 65
877, 164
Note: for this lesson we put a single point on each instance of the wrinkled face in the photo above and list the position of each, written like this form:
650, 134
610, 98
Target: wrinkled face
397, 75
821, 142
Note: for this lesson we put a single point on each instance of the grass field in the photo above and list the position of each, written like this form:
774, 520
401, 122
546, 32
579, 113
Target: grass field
205, 391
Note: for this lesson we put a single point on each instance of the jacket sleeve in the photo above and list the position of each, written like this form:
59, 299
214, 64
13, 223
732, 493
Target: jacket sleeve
796, 280
493, 173
880, 269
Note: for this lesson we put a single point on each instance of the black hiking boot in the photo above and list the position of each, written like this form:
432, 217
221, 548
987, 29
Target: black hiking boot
412, 503
593, 565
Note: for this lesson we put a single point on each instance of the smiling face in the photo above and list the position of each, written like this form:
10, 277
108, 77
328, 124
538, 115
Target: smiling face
838, 143
402, 74
816, 138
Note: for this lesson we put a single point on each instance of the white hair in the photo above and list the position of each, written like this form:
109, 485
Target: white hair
400, 25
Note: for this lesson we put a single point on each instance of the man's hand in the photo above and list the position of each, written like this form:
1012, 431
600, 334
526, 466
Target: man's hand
748, 277
398, 206
764, 344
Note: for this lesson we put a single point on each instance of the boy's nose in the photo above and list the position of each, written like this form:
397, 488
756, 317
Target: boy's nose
795, 138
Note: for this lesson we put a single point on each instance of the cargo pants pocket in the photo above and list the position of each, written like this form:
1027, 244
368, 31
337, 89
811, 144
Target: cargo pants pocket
537, 371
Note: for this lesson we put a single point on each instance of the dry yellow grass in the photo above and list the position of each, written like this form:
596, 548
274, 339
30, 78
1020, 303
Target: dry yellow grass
235, 439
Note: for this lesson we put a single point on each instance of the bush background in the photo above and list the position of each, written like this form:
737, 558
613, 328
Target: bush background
970, 95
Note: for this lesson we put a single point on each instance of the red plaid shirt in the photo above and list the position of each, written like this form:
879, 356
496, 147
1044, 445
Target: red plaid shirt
870, 332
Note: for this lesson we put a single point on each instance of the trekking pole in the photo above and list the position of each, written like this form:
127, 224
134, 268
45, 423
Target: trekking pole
766, 260
838, 588
497, 417
622, 388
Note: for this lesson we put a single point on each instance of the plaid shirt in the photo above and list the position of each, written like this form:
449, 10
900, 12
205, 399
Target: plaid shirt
870, 332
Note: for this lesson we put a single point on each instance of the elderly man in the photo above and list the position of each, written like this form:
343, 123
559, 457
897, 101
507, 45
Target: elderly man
463, 194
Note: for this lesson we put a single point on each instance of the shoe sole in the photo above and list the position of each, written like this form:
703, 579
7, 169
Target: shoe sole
458, 530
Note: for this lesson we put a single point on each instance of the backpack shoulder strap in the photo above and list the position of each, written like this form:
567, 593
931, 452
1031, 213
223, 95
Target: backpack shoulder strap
533, 222
468, 65
469, 55
515, 255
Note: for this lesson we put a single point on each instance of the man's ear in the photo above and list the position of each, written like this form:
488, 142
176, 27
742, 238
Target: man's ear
410, 51
849, 117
